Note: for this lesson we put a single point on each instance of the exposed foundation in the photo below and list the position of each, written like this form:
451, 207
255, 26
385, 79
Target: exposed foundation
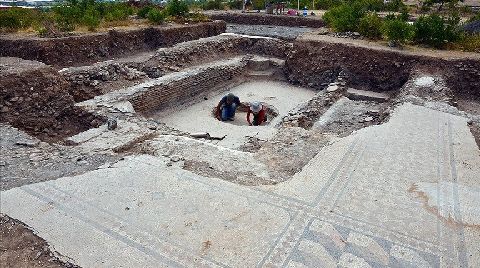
366, 157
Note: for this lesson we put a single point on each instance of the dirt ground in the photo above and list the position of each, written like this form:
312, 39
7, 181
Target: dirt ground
20, 247
282, 32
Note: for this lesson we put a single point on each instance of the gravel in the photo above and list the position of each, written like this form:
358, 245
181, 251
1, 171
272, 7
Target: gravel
282, 32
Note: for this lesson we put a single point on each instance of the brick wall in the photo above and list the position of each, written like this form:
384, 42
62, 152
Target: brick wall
184, 89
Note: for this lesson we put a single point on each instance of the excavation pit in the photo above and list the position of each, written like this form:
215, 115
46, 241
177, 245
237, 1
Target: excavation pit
329, 180
198, 117
242, 112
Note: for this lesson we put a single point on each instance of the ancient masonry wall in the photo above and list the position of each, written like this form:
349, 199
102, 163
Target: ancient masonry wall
89, 81
263, 19
183, 88
209, 49
317, 63
89, 48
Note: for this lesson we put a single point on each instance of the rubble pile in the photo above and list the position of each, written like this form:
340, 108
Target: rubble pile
86, 81
36, 99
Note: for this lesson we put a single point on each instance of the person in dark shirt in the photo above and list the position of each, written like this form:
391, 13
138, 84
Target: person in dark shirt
259, 114
226, 107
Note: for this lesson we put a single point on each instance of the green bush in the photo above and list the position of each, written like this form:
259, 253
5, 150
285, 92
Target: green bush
91, 18
10, 21
474, 18
370, 26
258, 4
235, 4
14, 19
143, 12
117, 11
156, 16
42, 31
213, 5
67, 17
367, 5
197, 17
397, 31
395, 6
343, 18
405, 16
436, 31
468, 42
326, 4
89, 13
176, 8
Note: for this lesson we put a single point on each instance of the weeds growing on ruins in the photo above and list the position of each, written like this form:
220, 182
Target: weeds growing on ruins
437, 30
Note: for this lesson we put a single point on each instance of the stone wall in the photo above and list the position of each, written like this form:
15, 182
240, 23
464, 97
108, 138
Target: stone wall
265, 19
180, 88
89, 81
89, 48
316, 63
208, 49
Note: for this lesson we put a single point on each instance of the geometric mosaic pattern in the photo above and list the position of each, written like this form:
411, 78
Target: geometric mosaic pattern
328, 245
308, 234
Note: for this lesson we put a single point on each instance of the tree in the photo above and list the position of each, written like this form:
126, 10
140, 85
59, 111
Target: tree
441, 3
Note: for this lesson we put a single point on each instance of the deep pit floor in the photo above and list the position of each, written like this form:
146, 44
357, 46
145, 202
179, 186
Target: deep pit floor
198, 117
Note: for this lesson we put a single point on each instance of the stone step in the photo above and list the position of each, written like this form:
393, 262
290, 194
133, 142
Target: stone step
259, 63
266, 73
102, 139
356, 94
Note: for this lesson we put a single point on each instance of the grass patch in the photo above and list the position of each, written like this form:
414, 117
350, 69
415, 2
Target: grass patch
468, 43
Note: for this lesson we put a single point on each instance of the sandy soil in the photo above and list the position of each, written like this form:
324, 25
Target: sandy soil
282, 32
21, 247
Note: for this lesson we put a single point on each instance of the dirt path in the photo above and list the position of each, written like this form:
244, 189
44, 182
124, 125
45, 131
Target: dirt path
409, 50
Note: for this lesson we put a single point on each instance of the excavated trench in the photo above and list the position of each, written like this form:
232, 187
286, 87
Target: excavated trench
314, 92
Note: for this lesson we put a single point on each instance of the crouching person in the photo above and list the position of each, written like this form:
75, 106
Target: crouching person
259, 114
226, 107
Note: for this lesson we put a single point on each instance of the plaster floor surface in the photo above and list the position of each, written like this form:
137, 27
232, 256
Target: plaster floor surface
401, 194
198, 117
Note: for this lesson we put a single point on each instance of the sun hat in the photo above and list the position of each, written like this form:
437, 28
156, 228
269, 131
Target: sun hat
255, 106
